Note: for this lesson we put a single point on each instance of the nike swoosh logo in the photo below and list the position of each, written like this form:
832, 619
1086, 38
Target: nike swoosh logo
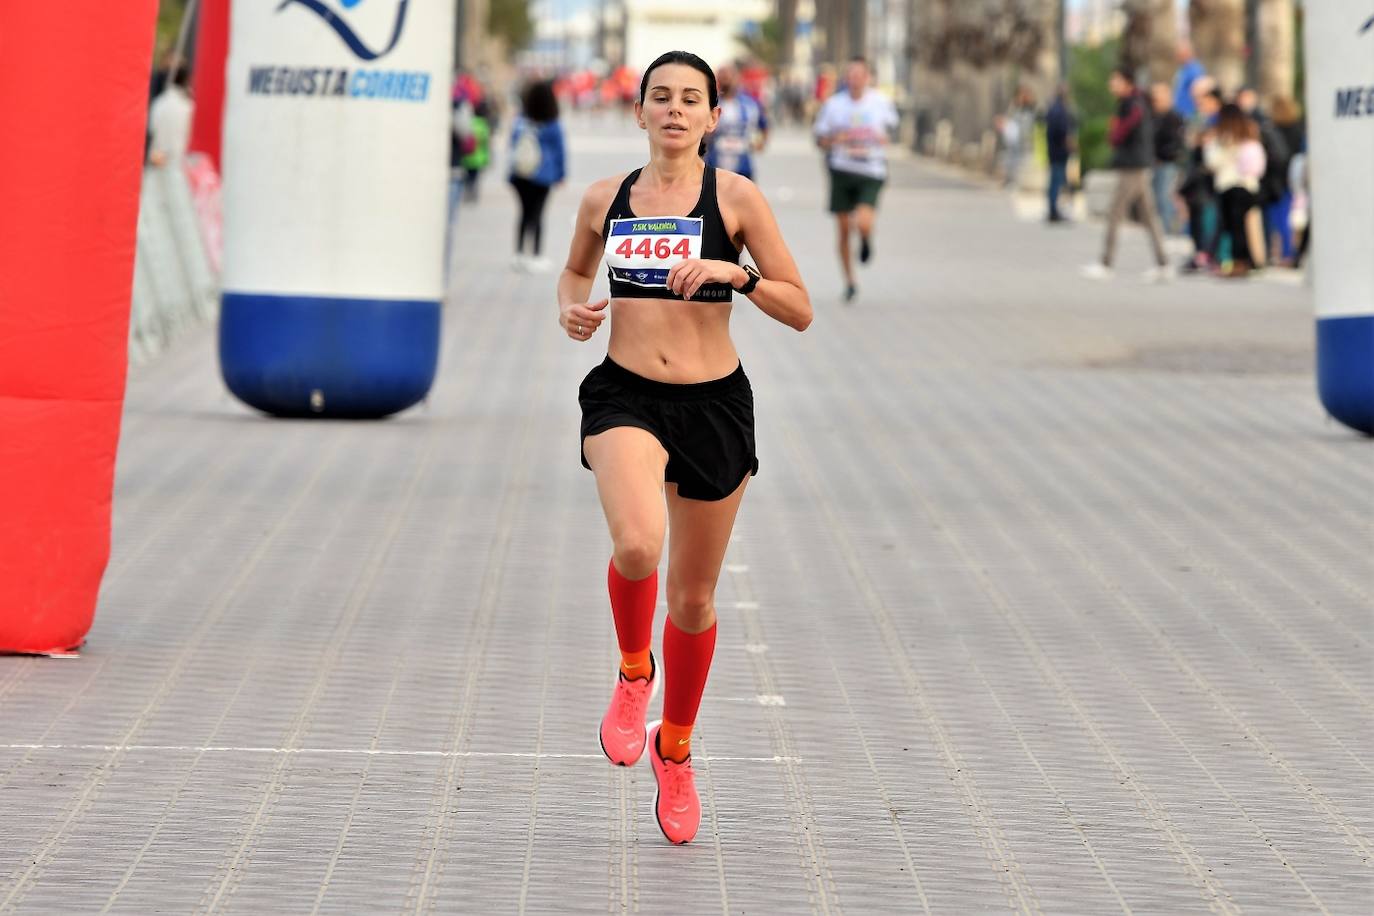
682, 741
1367, 26
632, 666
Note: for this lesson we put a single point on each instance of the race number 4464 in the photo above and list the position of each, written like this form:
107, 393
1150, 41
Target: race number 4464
643, 251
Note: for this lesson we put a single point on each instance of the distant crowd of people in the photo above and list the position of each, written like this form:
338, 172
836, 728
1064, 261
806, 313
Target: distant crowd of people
1229, 172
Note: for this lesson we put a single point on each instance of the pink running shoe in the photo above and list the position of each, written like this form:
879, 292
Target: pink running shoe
676, 804
622, 728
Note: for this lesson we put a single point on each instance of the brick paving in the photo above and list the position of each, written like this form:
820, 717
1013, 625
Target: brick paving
1049, 597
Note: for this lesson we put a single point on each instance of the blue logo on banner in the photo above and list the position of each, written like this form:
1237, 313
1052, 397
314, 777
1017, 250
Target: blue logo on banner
341, 28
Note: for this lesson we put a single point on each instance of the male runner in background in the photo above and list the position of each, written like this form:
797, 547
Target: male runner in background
742, 129
853, 128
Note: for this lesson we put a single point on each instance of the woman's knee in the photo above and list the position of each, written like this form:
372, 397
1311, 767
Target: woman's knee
637, 553
692, 604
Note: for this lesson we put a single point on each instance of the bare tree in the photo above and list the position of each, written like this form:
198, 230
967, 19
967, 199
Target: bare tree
1276, 48
1218, 33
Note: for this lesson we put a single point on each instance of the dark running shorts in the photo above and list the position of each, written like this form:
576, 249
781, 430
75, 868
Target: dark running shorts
848, 190
707, 428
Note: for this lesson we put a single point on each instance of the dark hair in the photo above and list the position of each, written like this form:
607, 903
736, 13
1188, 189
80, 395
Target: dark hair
859, 59
1234, 125
1125, 73
687, 58
539, 103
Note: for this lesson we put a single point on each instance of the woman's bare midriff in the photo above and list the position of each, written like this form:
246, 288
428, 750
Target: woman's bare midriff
670, 340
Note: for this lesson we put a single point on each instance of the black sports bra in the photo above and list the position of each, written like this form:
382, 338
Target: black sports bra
640, 250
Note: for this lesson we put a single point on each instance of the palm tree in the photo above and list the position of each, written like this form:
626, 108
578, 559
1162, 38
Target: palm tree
1276, 48
1150, 38
1218, 33
969, 57
787, 25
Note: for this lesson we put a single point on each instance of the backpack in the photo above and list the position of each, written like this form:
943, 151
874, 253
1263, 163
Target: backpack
464, 140
527, 155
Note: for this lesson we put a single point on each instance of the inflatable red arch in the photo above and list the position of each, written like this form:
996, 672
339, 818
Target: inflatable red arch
69, 182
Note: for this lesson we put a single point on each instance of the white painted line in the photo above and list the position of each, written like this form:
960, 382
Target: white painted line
737, 605
736, 567
360, 752
755, 648
771, 699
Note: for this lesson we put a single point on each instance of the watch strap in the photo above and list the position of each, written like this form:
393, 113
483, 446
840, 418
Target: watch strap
752, 282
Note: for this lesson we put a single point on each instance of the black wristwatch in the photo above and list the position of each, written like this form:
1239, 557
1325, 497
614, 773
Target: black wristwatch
752, 282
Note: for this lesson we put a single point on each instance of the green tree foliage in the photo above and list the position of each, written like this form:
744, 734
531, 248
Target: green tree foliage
1089, 70
509, 20
764, 43
169, 13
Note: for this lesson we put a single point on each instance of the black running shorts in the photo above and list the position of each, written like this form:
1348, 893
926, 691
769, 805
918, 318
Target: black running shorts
848, 190
707, 428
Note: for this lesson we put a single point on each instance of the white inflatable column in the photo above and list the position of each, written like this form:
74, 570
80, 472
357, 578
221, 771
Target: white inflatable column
336, 147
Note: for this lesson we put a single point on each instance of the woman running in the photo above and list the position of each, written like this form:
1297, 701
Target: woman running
670, 409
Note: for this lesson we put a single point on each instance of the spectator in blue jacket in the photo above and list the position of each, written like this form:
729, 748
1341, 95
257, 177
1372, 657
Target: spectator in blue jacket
537, 163
1190, 70
1061, 139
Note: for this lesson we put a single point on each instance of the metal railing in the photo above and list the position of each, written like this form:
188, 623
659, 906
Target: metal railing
175, 284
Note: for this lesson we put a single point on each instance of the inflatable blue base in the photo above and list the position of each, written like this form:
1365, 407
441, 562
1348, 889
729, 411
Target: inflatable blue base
313, 356
1345, 369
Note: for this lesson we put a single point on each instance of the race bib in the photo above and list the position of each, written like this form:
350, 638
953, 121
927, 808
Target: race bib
733, 144
642, 251
858, 144
730, 152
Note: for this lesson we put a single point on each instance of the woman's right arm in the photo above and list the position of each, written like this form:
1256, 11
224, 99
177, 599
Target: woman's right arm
584, 256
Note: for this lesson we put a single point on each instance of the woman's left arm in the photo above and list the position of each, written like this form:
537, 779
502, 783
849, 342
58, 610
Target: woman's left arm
781, 295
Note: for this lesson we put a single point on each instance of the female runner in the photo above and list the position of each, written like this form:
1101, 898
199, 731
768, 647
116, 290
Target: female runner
671, 408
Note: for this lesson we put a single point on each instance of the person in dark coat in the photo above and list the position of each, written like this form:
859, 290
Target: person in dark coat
1170, 144
1132, 156
1198, 190
1061, 139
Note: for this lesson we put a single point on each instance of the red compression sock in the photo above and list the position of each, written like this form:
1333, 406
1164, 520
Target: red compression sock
632, 605
686, 662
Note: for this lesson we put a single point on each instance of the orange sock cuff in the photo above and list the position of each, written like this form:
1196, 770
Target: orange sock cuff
636, 664
674, 741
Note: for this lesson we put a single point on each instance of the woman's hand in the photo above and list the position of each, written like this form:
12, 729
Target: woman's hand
690, 275
581, 319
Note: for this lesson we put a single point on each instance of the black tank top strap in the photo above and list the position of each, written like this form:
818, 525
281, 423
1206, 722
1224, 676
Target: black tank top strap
708, 188
718, 241
620, 205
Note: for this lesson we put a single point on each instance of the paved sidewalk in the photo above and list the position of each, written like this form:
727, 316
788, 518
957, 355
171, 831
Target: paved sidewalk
1050, 596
